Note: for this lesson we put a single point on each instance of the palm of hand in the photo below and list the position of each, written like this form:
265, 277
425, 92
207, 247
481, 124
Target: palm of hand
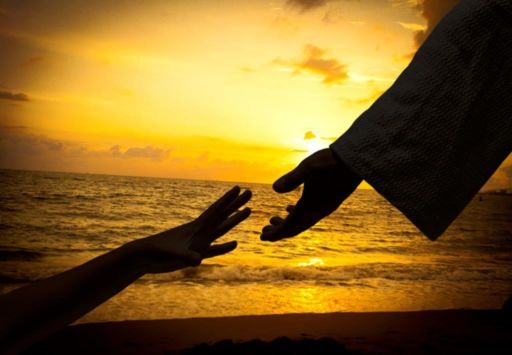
327, 183
190, 243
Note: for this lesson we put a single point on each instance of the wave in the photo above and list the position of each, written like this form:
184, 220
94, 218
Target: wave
19, 255
363, 275
331, 275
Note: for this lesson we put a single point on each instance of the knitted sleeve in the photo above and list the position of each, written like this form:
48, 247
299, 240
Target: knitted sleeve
437, 135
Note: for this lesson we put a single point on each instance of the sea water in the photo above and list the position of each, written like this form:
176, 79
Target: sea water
365, 257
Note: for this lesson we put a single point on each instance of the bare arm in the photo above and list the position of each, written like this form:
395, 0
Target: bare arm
31, 313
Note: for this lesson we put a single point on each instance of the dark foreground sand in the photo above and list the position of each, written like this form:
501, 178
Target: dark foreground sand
451, 331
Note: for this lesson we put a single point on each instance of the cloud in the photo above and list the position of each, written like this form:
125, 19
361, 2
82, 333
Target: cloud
315, 61
8, 95
309, 135
248, 69
20, 146
31, 61
433, 11
148, 152
305, 5
370, 99
412, 26
329, 139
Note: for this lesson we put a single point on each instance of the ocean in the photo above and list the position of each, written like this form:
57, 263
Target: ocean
365, 257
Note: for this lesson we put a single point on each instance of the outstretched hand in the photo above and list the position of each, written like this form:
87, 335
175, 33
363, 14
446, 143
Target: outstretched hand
33, 312
327, 183
189, 244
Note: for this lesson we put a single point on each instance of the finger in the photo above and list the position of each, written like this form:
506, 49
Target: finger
290, 208
300, 219
273, 233
292, 180
276, 233
220, 249
220, 217
237, 203
276, 220
231, 222
212, 212
267, 230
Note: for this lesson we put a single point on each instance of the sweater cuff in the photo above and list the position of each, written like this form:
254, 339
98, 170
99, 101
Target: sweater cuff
359, 162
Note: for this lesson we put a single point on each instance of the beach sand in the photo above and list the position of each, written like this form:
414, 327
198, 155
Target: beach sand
446, 331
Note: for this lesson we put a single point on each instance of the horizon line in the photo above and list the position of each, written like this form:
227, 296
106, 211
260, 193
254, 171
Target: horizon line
142, 176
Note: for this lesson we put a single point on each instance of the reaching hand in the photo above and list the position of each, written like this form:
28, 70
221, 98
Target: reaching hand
189, 244
327, 183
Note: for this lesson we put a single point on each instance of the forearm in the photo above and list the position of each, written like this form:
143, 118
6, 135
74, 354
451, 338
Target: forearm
434, 138
33, 312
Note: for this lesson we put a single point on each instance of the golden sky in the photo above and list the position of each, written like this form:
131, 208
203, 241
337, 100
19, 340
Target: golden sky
224, 90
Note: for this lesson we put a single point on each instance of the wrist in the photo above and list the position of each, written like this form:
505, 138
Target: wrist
347, 169
132, 253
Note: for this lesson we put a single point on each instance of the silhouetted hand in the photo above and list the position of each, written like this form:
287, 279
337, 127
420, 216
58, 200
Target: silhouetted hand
327, 183
31, 313
189, 244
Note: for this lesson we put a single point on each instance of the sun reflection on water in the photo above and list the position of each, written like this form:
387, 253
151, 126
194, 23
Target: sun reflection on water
312, 262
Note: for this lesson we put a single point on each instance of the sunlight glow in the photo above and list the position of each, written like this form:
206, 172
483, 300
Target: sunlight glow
314, 145
229, 91
312, 262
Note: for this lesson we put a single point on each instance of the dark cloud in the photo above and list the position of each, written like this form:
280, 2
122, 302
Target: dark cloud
18, 144
315, 61
305, 5
8, 95
309, 135
31, 61
433, 11
54, 16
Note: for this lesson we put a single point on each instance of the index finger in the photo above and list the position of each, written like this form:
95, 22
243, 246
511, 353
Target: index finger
296, 222
218, 206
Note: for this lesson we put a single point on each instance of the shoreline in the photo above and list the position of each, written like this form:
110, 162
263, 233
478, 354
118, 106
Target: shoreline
443, 331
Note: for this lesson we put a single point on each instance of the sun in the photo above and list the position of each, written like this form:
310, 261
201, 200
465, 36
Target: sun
314, 145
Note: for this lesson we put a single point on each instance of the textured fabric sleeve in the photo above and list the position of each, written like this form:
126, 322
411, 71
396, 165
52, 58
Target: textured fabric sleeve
436, 136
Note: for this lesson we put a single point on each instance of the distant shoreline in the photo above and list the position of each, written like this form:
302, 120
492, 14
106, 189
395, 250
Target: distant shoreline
507, 192
134, 176
444, 331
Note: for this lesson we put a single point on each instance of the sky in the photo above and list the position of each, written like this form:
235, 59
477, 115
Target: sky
223, 90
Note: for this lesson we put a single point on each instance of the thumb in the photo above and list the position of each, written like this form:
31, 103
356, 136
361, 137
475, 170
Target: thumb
220, 249
292, 180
